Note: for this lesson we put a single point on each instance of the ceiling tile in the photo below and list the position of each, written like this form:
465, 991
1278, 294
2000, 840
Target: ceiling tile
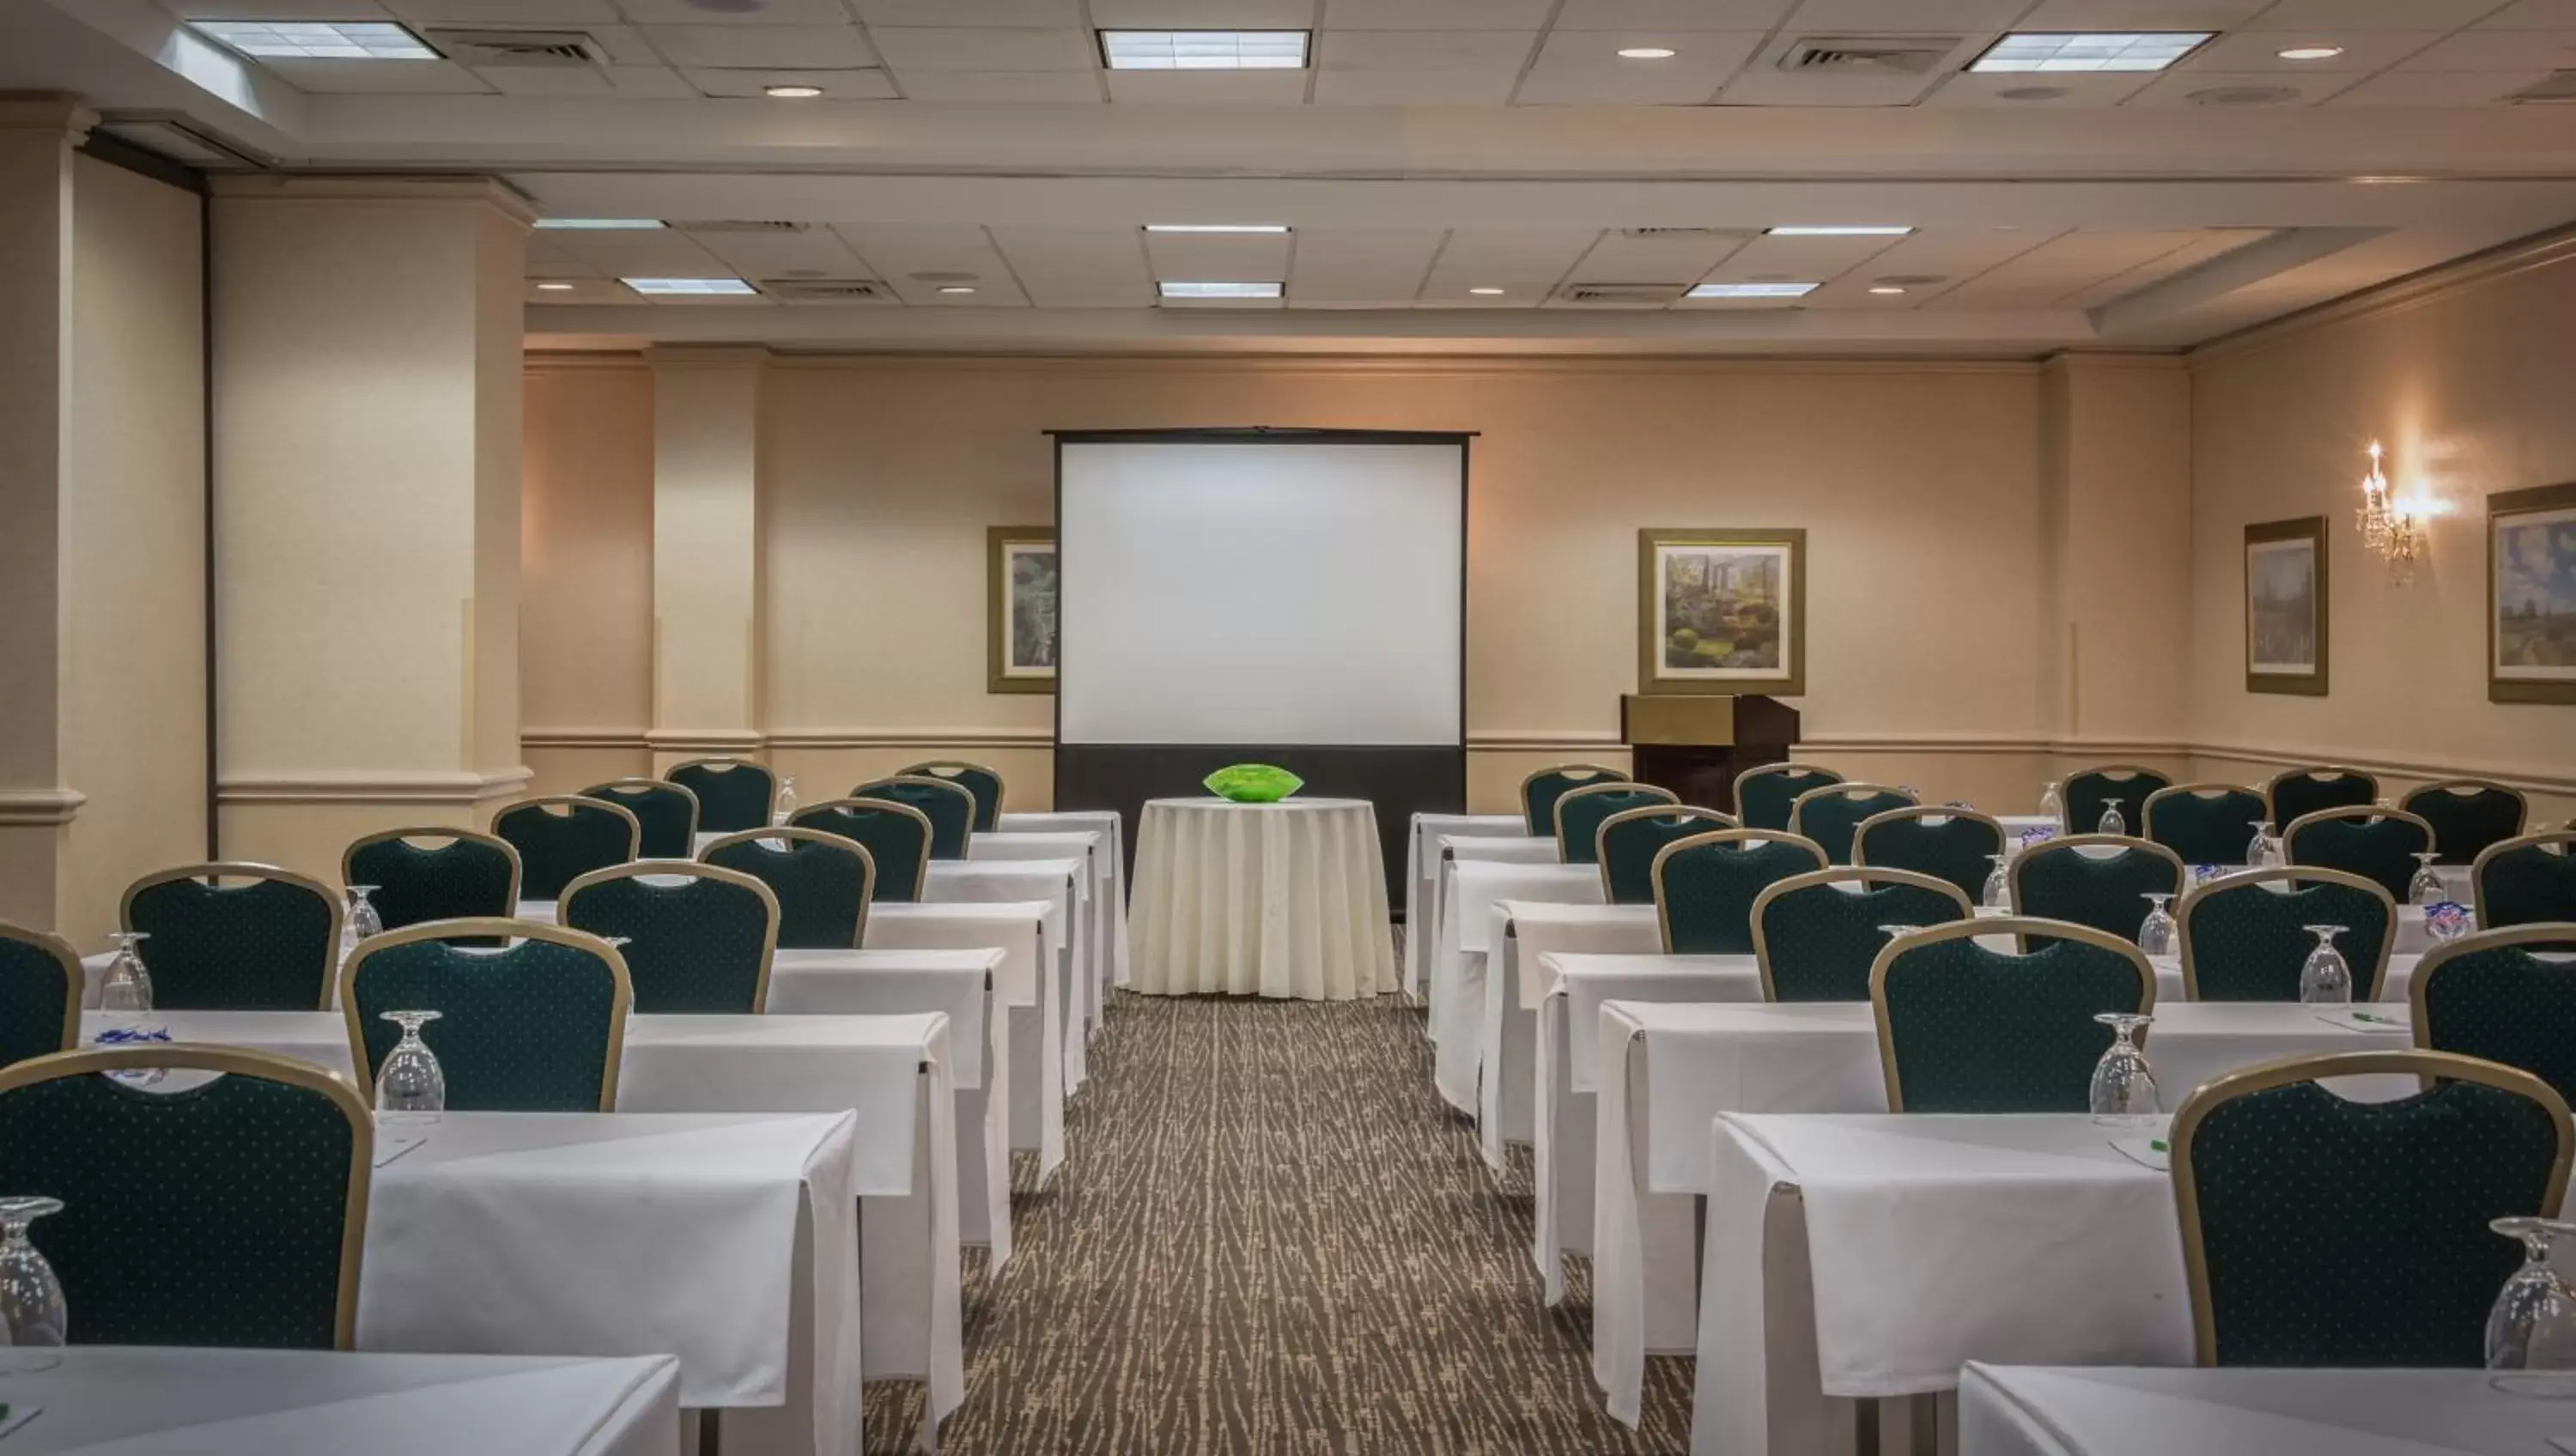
377, 78
1038, 14
1671, 14
2147, 15
2302, 88
1764, 84
817, 251
777, 47
1525, 262
2497, 50
277, 10
1424, 50
1435, 14
1209, 88
1011, 88
2359, 15
1354, 268
2439, 88
1797, 260
583, 290
2063, 266
1584, 66
1910, 17
1078, 267
1680, 259
1414, 88
896, 251
737, 12
658, 254
1945, 259
851, 85
2203, 247
2531, 15
1201, 14
1219, 257
2365, 51
519, 14
645, 82
927, 48
1973, 88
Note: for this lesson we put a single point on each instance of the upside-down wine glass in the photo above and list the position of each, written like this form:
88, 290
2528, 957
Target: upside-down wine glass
126, 986
2050, 803
2532, 1328
2111, 822
2258, 854
364, 920
1998, 895
2426, 888
32, 1317
2158, 935
786, 799
2325, 979
410, 1087
2124, 1086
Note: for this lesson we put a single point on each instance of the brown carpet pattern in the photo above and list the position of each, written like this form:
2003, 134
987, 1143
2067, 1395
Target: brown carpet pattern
1270, 1236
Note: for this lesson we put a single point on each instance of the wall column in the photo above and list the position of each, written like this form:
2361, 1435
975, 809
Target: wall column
706, 552
367, 455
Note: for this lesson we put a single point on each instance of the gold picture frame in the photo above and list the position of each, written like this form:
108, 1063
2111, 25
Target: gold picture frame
1020, 609
1753, 581
2531, 595
2288, 607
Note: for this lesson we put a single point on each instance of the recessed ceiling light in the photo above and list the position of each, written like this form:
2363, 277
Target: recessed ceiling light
1752, 290
1486, 292
554, 288
958, 288
318, 40
1203, 50
1887, 290
1838, 230
2311, 53
597, 224
2031, 93
791, 92
2242, 95
1646, 53
1216, 227
689, 286
2103, 50
1221, 290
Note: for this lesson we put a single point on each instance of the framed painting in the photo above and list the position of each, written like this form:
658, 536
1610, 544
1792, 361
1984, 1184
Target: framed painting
1020, 609
1722, 611
2285, 607
2531, 595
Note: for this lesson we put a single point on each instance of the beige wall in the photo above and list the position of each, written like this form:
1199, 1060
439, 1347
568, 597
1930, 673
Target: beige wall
587, 596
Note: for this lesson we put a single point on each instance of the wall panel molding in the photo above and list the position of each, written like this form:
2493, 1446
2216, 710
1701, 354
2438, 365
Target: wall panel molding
40, 807
360, 786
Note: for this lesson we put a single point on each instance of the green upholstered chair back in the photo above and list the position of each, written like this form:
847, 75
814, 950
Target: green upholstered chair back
2467, 815
897, 836
560, 836
2204, 823
536, 1025
2526, 881
949, 807
666, 814
823, 882
975, 779
1705, 886
232, 1213
1965, 1029
2493, 995
2107, 889
1956, 846
1816, 935
1579, 813
2377, 844
40, 994
698, 938
236, 937
1627, 842
2325, 1232
1541, 790
734, 794
2088, 791
1832, 815
2303, 791
1765, 794
432, 873
2244, 936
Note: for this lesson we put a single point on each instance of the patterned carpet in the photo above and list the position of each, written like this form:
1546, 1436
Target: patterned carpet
1271, 1236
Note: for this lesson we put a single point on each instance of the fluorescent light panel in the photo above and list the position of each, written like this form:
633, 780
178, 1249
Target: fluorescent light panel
318, 40
1838, 230
688, 286
1216, 227
1221, 290
1752, 290
598, 224
2080, 51
1203, 50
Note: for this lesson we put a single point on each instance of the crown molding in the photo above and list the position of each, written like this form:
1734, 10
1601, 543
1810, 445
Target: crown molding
59, 112
1470, 366
40, 808
333, 187
361, 786
2523, 255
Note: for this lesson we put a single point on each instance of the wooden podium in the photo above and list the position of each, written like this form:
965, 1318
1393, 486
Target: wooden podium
1696, 744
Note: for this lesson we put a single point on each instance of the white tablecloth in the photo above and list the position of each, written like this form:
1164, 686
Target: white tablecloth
1422, 880
1109, 866
1470, 890
1667, 1070
1063, 885
2032, 1411
136, 1401
1283, 900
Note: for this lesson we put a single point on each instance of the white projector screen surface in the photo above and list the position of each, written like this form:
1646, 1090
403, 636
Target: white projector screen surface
1261, 593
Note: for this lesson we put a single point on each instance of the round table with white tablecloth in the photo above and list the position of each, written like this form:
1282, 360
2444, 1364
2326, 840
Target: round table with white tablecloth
1281, 900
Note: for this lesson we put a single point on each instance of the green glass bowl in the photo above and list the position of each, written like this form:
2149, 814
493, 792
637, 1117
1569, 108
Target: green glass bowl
1253, 783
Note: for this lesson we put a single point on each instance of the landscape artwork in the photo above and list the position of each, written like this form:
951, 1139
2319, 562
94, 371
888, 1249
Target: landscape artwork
2285, 606
1021, 657
2531, 573
1721, 611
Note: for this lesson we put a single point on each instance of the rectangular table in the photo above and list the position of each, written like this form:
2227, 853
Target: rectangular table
1109, 868
1063, 884
1422, 880
155, 1401
1666, 1071
2026, 1410
1470, 890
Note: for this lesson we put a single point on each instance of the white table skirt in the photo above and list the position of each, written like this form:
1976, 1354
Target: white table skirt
1667, 1070
138, 1401
1281, 900
1093, 902
2033, 1411
1062, 885
1109, 867
1470, 891
1422, 880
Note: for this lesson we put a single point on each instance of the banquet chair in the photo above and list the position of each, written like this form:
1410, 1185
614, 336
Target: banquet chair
2467, 815
2245, 938
1765, 794
666, 814
950, 807
433, 873
1705, 886
1816, 941
897, 838
733, 793
2087, 792
1831, 815
698, 938
233, 1214
1541, 790
559, 836
822, 881
1965, 1029
2058, 881
2527, 880
2491, 995
1627, 842
537, 1024
2322, 1231
1579, 813
235, 936
41, 984
2303, 791
2377, 844
2202, 824
1949, 844
975, 779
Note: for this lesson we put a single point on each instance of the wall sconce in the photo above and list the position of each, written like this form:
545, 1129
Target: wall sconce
2391, 526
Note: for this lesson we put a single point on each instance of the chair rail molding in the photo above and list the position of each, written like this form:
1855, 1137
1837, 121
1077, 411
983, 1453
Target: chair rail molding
39, 807
363, 786
986, 737
698, 740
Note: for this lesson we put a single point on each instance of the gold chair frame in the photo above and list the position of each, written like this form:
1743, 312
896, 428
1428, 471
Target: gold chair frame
243, 869
2066, 790
543, 802
1655, 872
1670, 799
1836, 875
1601, 831
75, 978
794, 832
439, 831
2565, 839
505, 929
967, 847
2021, 928
2192, 895
2271, 786
638, 869
2147, 814
644, 781
2069, 842
920, 879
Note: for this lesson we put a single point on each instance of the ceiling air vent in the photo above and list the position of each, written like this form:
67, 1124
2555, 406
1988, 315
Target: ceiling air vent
741, 225
1876, 55
1651, 233
516, 47
1620, 295
2558, 88
826, 290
